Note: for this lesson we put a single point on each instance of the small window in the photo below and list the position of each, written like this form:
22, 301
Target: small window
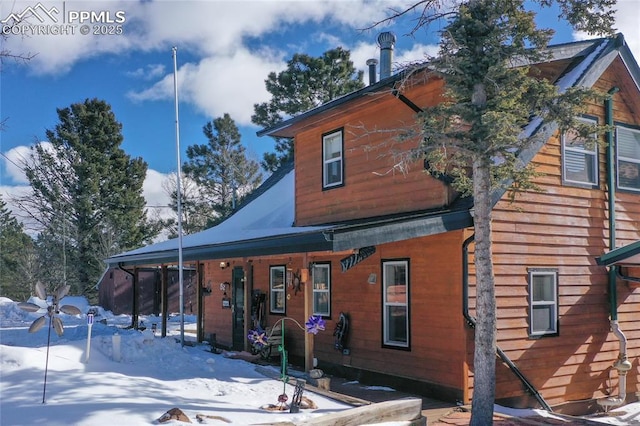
628, 143
332, 168
579, 158
395, 301
321, 289
277, 289
543, 302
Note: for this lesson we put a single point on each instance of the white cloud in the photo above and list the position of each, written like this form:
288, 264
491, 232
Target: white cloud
628, 23
148, 72
221, 84
206, 28
14, 160
155, 195
11, 192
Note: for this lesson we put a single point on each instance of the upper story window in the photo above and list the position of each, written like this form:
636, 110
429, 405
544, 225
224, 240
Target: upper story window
321, 289
277, 289
543, 302
395, 301
580, 158
332, 160
628, 143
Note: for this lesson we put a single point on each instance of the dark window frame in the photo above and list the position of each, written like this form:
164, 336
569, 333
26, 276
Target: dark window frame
387, 342
272, 291
636, 161
325, 136
555, 303
593, 153
326, 291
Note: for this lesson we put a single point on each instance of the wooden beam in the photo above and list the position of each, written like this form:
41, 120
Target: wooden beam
248, 287
200, 281
308, 310
164, 284
400, 410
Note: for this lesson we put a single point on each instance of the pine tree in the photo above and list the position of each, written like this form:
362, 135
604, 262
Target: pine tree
16, 257
307, 82
479, 127
87, 192
221, 169
197, 214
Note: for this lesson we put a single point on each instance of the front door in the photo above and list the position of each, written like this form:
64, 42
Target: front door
237, 286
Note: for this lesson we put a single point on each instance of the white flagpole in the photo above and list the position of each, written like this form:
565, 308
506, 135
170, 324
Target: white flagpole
178, 195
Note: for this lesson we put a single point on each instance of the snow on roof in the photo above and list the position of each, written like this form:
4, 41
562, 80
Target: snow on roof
269, 214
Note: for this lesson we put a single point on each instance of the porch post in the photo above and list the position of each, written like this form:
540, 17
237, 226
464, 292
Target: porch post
248, 293
308, 310
164, 284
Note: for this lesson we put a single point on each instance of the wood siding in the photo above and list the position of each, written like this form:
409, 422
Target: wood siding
376, 181
566, 228
563, 227
437, 332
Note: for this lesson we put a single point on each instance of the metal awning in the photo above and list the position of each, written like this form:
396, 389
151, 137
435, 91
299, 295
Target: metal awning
628, 255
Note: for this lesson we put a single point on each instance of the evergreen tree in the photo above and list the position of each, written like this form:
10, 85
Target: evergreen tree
479, 128
197, 213
307, 82
87, 192
221, 169
16, 257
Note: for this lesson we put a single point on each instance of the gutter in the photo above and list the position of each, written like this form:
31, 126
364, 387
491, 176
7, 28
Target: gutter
622, 364
471, 321
620, 275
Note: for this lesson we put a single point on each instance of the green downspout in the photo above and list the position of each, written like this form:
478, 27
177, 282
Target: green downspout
611, 187
622, 364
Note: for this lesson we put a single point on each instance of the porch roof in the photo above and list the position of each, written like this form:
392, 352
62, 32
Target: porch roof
628, 255
264, 225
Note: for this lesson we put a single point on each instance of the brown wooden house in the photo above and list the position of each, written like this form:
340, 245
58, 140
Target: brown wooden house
349, 229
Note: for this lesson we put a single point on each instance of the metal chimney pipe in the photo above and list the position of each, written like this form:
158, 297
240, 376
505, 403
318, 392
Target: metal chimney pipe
386, 41
372, 64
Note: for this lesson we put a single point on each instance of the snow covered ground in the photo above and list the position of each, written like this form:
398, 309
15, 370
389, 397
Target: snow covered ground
148, 377
152, 376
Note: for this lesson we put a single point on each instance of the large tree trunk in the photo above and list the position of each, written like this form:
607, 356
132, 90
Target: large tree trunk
484, 362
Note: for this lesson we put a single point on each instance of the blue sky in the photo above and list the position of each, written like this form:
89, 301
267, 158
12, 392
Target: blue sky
225, 51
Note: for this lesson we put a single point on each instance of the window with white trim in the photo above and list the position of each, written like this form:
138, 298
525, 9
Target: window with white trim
332, 160
543, 302
277, 287
628, 164
395, 303
321, 274
580, 158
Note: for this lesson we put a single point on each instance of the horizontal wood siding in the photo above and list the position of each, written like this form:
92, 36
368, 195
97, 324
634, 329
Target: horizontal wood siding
566, 227
377, 179
217, 320
437, 332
